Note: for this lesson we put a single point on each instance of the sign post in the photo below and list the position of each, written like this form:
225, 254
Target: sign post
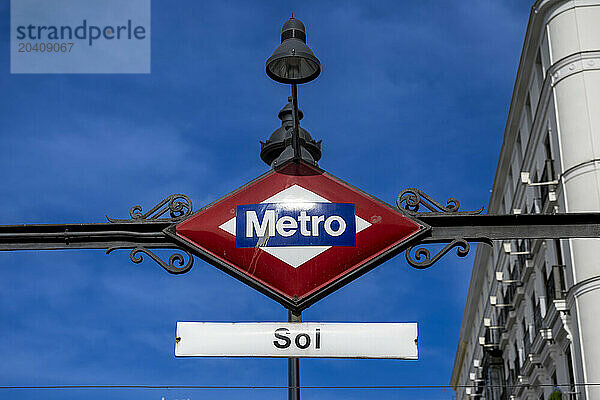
294, 317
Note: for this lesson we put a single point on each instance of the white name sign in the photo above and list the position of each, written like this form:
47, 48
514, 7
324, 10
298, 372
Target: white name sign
305, 339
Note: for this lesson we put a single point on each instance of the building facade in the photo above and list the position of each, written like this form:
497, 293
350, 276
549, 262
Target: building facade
531, 323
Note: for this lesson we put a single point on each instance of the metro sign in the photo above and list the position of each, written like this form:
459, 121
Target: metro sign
297, 234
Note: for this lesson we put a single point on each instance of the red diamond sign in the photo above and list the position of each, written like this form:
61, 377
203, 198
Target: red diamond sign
297, 234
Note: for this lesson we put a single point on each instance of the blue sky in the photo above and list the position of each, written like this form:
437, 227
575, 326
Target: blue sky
412, 94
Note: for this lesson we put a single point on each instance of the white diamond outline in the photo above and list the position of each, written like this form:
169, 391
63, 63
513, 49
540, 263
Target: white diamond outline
294, 256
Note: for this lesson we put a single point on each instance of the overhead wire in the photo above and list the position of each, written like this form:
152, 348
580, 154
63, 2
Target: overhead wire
309, 387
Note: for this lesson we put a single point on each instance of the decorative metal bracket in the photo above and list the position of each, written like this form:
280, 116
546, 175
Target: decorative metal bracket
414, 198
422, 256
179, 207
410, 201
177, 264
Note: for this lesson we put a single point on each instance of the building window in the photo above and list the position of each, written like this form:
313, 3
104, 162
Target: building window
526, 341
523, 139
571, 373
539, 70
537, 314
536, 207
529, 110
517, 359
548, 149
555, 283
558, 252
511, 184
548, 173
518, 150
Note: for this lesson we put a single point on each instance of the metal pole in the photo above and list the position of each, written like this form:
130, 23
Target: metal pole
294, 364
296, 129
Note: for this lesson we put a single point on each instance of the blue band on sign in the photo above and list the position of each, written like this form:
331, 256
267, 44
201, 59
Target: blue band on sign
295, 224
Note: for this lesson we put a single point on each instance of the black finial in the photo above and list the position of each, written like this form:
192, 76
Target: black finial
278, 148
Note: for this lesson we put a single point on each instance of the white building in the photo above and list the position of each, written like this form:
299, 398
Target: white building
539, 327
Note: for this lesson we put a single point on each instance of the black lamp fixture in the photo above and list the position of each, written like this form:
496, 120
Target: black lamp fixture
292, 62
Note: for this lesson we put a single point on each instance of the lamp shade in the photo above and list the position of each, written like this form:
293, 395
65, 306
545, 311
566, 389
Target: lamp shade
293, 61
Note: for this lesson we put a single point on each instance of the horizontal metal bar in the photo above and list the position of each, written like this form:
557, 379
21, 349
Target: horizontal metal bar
84, 236
478, 228
444, 229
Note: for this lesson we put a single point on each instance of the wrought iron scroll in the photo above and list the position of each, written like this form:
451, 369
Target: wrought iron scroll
422, 256
177, 264
414, 198
179, 207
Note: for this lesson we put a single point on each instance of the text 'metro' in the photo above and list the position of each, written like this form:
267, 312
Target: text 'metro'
295, 224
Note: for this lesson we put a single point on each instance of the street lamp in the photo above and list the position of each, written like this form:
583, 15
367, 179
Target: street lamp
293, 62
